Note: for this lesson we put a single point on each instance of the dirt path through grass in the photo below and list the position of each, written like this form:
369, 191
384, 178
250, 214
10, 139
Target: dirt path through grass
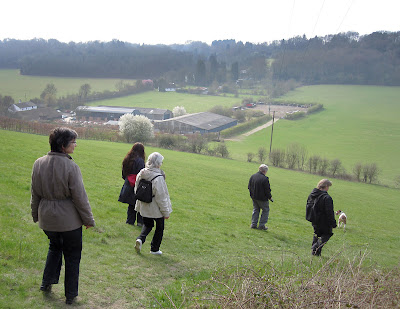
240, 137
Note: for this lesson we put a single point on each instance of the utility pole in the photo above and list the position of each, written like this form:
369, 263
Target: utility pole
272, 131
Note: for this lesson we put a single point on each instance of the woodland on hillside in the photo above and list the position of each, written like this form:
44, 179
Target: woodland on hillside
344, 58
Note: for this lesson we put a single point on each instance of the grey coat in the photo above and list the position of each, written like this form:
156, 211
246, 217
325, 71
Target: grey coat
58, 197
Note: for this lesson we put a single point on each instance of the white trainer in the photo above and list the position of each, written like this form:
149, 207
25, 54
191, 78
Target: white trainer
159, 252
138, 245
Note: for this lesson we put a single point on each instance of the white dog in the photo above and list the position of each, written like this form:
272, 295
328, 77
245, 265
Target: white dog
342, 219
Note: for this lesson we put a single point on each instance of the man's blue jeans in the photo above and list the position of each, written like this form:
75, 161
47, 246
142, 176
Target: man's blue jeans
257, 207
70, 244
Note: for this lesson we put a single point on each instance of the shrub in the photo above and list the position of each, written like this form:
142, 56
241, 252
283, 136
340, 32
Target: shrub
250, 157
314, 108
295, 115
277, 157
222, 110
197, 143
168, 141
293, 155
335, 167
323, 166
136, 128
313, 163
273, 286
222, 150
262, 153
179, 111
357, 171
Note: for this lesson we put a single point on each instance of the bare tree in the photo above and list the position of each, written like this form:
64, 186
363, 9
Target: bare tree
222, 150
336, 166
357, 169
323, 166
197, 143
276, 156
365, 172
292, 155
262, 152
373, 172
302, 157
84, 91
313, 163
397, 181
49, 90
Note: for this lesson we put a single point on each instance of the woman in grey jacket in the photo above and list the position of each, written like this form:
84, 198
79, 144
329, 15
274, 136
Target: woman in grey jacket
158, 209
60, 204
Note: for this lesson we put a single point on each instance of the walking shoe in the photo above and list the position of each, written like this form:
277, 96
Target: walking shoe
45, 288
69, 301
253, 226
263, 228
159, 252
138, 245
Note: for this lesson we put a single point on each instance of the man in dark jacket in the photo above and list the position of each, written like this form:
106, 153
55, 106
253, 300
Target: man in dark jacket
324, 220
260, 192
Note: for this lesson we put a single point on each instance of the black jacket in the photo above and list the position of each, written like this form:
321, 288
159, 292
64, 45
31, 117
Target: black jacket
259, 187
325, 213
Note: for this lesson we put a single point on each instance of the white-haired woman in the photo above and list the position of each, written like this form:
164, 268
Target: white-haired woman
158, 209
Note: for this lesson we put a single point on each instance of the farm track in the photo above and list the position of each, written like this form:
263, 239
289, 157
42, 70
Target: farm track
240, 137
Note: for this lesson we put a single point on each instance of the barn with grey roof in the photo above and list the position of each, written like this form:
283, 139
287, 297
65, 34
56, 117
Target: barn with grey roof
105, 113
203, 122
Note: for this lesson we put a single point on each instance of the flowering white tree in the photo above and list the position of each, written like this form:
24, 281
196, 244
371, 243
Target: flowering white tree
179, 111
136, 128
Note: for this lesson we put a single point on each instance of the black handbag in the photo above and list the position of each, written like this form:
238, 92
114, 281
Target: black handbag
127, 194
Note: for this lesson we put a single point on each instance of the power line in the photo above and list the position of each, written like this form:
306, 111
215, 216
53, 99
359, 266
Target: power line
344, 17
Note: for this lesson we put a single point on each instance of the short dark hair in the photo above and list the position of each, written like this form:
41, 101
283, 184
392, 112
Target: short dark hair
61, 137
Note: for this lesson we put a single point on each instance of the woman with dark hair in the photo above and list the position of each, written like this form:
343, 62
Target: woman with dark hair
60, 204
131, 166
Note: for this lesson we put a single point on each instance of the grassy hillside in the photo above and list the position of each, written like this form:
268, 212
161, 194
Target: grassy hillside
359, 124
24, 88
208, 229
168, 100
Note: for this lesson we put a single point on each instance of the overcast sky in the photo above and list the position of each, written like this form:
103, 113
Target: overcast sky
179, 21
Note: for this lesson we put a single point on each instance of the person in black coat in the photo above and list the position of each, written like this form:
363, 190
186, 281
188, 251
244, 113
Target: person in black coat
324, 220
260, 193
132, 164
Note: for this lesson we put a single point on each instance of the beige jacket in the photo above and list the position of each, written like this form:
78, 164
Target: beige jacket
59, 200
160, 206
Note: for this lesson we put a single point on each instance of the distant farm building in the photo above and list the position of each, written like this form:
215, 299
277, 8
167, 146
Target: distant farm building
21, 107
106, 113
204, 122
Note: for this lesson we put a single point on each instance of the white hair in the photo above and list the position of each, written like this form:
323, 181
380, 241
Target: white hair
155, 160
263, 168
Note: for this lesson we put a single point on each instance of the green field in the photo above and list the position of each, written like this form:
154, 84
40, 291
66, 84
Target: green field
358, 124
24, 87
208, 229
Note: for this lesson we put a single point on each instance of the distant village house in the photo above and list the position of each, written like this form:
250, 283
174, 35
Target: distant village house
22, 106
